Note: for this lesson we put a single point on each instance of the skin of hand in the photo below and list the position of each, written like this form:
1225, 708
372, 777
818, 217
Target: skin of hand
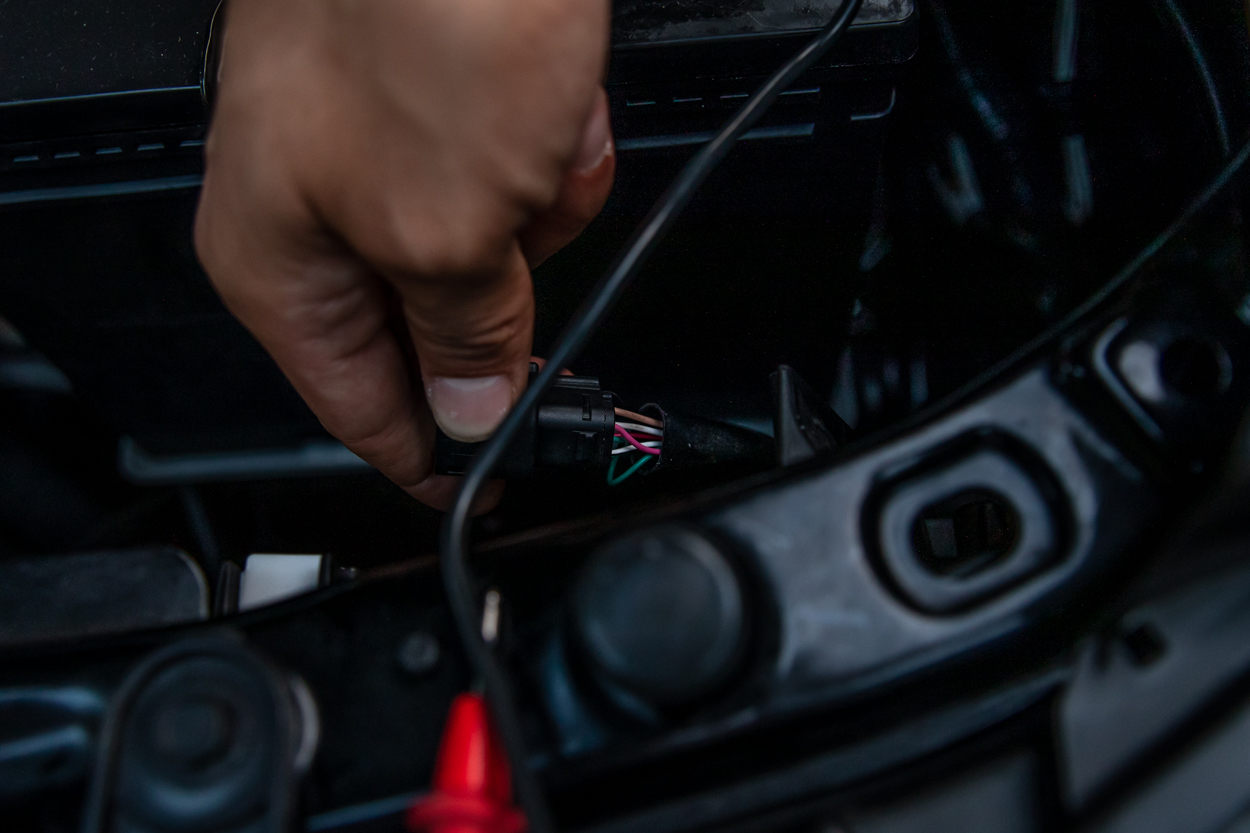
380, 179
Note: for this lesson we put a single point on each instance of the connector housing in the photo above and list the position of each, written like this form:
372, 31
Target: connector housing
571, 429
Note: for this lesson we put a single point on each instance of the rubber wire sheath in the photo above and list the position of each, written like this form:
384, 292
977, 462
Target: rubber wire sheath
454, 549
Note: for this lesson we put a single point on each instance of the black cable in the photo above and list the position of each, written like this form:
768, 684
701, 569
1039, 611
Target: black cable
1199, 58
454, 551
202, 530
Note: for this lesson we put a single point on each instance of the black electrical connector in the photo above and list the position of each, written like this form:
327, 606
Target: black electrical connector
571, 428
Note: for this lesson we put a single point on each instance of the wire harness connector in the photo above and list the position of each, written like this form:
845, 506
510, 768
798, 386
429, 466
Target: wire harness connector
572, 428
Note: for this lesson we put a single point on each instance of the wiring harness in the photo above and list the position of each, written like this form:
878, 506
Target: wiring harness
641, 435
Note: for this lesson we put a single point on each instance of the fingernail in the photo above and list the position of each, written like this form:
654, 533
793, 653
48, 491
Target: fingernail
596, 138
469, 410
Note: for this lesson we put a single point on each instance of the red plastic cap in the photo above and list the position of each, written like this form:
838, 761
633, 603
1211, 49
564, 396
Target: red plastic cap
472, 790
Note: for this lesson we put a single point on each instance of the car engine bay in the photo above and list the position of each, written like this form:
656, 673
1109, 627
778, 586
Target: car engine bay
902, 489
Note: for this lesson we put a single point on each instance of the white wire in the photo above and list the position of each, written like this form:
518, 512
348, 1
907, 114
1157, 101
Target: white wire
635, 428
625, 449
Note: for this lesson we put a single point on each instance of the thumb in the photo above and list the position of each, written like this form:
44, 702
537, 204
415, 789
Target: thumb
472, 337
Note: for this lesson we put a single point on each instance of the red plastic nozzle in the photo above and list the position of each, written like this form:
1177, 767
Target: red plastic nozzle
472, 791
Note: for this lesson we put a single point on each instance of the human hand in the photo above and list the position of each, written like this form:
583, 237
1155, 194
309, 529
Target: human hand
381, 177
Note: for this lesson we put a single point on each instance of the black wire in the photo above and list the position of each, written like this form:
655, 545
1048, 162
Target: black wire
1199, 58
454, 551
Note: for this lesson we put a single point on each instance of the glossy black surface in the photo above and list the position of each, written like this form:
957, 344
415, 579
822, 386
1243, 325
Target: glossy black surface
84, 47
660, 20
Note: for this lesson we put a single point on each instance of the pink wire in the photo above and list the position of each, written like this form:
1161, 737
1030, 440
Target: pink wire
629, 438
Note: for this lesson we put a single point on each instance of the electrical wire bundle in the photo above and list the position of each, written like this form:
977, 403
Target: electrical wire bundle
639, 435
454, 552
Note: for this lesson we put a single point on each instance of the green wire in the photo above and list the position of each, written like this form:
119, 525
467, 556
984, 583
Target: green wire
616, 481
